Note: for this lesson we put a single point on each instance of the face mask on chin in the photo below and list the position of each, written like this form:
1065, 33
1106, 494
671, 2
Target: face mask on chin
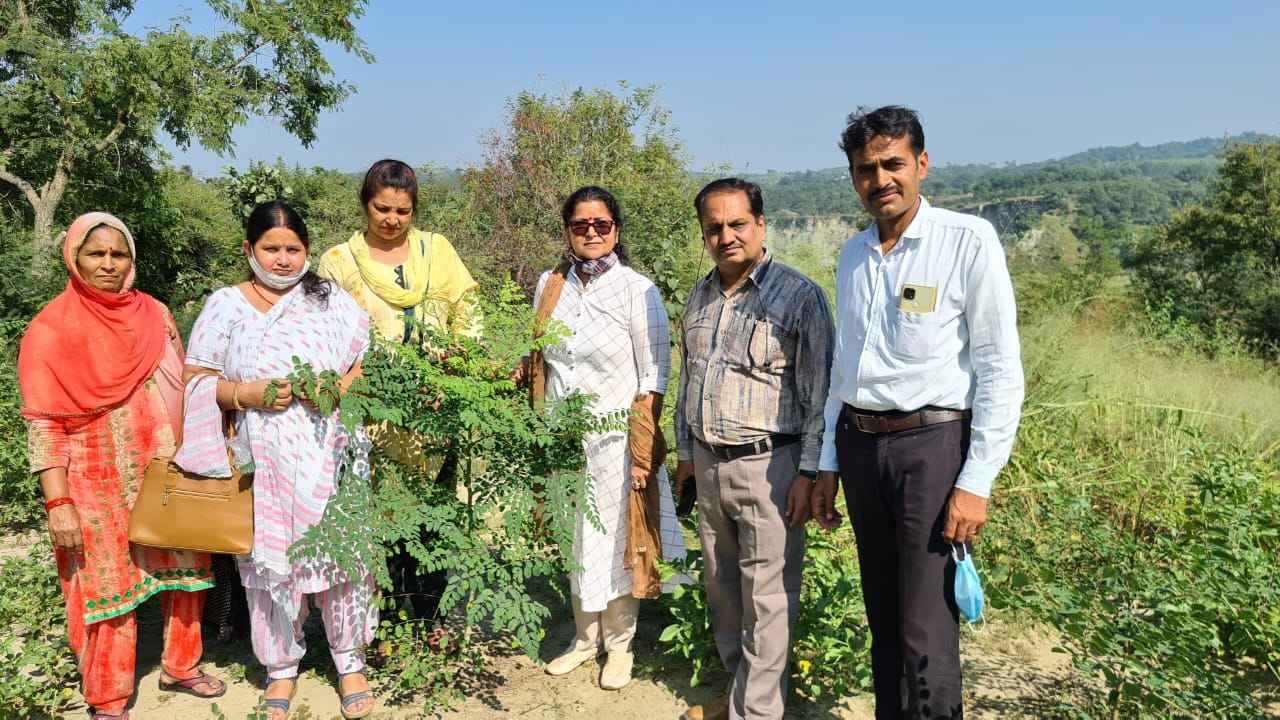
273, 281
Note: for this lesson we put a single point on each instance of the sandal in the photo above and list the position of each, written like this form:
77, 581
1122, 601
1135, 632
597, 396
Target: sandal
355, 697
281, 704
188, 685
103, 716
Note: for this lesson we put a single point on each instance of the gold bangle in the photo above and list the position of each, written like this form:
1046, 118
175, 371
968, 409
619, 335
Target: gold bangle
235, 397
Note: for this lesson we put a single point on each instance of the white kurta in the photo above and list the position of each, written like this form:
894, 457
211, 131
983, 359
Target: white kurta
619, 347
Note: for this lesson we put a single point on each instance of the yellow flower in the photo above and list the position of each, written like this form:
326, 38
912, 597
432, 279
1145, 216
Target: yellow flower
805, 666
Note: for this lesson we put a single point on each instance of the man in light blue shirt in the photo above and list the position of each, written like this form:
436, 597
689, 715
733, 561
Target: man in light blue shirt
926, 392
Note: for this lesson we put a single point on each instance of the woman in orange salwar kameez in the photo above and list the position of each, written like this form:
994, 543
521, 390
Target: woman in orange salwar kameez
100, 372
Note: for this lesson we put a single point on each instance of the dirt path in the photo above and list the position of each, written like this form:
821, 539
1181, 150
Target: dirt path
1010, 672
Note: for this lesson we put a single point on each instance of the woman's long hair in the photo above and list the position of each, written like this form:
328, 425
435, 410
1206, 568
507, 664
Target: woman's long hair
278, 213
591, 193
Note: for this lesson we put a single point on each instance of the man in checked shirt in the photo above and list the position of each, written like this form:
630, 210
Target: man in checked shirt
756, 340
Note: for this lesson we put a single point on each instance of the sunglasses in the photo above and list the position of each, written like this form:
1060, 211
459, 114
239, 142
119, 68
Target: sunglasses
602, 227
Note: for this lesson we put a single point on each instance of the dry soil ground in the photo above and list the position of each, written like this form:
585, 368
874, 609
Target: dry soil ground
1010, 672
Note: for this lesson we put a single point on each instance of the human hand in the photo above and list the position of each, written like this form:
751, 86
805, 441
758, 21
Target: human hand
822, 500
798, 501
966, 514
255, 394
64, 528
686, 488
639, 478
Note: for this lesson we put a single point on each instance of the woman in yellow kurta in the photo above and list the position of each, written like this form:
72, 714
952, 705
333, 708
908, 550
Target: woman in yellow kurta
403, 276
396, 272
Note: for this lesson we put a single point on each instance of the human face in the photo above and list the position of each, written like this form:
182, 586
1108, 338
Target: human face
593, 245
886, 175
389, 214
104, 260
734, 237
280, 252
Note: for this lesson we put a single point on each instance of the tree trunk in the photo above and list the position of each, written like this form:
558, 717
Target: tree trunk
42, 235
45, 206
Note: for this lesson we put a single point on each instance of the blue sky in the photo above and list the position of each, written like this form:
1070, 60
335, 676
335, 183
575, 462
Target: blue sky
767, 85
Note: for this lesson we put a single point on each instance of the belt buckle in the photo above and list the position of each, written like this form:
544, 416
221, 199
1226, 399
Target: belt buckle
857, 422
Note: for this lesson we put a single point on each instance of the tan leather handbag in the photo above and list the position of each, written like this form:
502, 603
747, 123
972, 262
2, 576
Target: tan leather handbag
177, 510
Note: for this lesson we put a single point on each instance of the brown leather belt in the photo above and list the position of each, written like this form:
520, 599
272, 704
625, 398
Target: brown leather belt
879, 423
727, 453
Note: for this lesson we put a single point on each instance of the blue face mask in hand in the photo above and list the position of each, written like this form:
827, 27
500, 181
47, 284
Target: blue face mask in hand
968, 588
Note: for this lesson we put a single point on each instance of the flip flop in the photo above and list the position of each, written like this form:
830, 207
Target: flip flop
281, 704
353, 698
188, 685
103, 716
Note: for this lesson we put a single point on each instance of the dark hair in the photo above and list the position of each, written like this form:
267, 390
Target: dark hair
592, 193
730, 185
389, 174
278, 213
893, 121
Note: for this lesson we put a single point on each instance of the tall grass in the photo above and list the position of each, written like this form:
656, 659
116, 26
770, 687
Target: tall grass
1139, 512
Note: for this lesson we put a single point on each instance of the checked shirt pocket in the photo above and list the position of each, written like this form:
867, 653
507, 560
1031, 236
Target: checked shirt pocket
772, 347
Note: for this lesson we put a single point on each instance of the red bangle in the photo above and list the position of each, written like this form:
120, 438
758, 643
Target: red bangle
51, 504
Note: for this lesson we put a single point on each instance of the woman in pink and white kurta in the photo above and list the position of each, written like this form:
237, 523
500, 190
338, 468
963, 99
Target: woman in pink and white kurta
250, 335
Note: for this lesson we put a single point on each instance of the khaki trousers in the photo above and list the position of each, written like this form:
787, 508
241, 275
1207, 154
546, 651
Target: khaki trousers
752, 566
611, 630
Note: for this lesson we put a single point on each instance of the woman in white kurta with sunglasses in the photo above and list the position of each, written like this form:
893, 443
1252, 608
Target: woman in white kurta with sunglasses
618, 349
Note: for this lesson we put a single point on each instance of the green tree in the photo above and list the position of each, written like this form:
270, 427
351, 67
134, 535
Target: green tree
79, 92
621, 141
1219, 263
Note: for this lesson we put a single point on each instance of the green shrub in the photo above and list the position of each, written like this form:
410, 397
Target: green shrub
20, 499
1148, 540
1177, 617
511, 517
40, 670
831, 646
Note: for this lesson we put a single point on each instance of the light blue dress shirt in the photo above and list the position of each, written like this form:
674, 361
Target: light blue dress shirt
896, 354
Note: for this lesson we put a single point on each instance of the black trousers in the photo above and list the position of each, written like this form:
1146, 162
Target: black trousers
897, 486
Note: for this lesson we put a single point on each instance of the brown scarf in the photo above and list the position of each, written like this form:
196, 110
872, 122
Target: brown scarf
644, 539
648, 450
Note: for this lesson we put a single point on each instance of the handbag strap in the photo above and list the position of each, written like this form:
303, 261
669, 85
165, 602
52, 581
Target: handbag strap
546, 305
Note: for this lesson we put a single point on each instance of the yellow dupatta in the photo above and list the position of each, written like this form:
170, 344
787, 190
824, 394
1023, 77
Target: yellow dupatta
382, 278
438, 281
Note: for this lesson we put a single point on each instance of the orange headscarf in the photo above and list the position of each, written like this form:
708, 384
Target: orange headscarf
88, 350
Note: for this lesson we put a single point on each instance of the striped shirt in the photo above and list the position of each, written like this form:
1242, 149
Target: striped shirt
756, 361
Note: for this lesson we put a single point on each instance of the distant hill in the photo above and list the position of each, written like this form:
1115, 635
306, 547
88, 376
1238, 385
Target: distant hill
1119, 187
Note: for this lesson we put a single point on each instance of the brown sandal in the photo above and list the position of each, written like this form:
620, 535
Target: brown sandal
188, 686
